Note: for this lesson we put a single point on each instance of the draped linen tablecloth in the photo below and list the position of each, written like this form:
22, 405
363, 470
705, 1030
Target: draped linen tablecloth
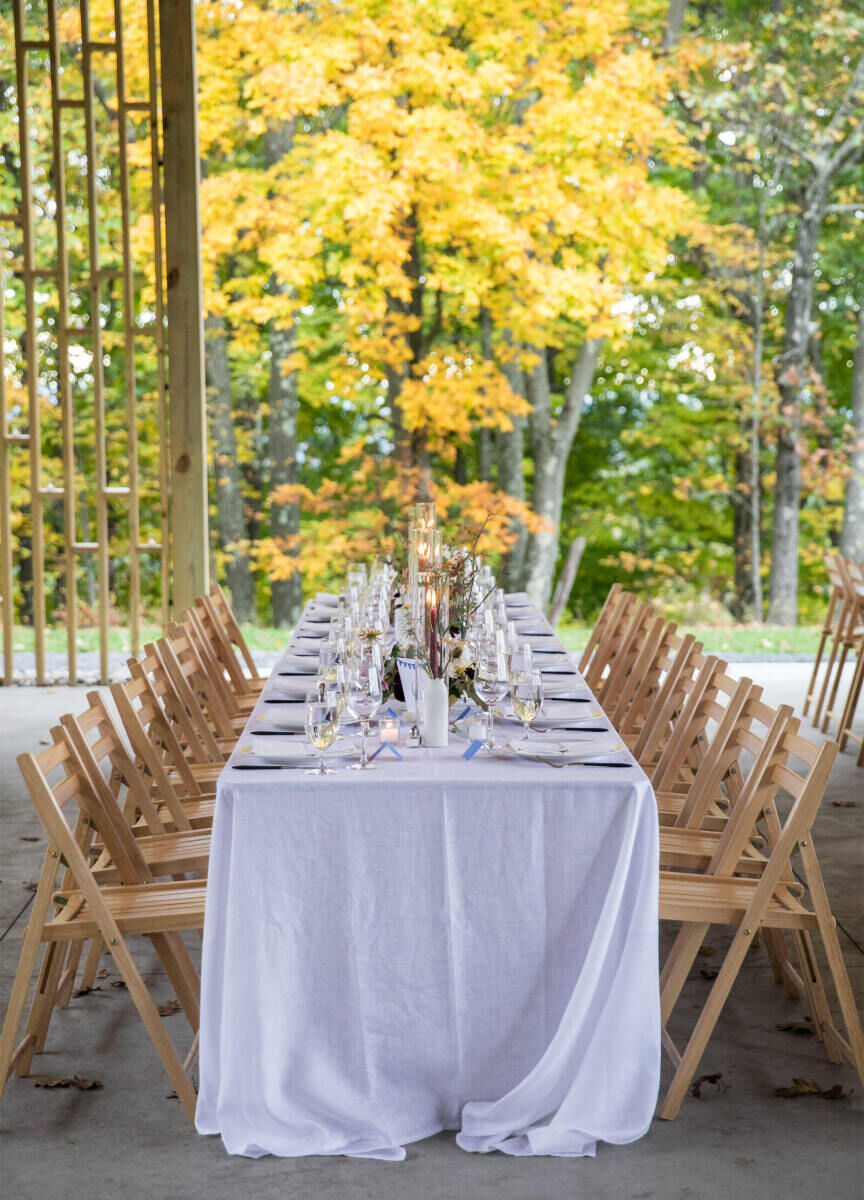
437, 944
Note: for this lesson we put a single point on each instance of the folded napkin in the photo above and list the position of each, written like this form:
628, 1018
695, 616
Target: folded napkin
299, 664
563, 711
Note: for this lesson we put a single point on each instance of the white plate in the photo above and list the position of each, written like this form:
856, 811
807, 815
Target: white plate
269, 749
289, 689
574, 746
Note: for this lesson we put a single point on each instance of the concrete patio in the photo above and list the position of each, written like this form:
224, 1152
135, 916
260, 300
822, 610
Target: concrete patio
130, 1139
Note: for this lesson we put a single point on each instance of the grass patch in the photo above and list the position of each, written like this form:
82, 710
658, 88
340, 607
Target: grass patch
718, 639
728, 639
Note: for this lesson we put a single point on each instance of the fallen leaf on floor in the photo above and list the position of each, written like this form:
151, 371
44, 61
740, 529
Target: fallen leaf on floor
807, 1087
800, 1028
118, 983
708, 974
839, 804
64, 1081
744, 1162
168, 1010
174, 1096
716, 1079
30, 886
706, 951
103, 974
28, 838
85, 991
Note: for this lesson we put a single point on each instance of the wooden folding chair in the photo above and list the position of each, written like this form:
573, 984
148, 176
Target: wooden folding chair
181, 709
99, 753
621, 651
224, 614
770, 901
214, 741
223, 648
845, 640
647, 743
856, 637
159, 755
85, 911
189, 625
181, 660
638, 692
830, 625
606, 632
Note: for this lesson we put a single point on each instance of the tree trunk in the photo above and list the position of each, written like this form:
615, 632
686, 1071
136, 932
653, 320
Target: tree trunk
674, 21
852, 537
511, 479
286, 595
834, 154
783, 609
566, 579
231, 527
742, 517
551, 443
484, 435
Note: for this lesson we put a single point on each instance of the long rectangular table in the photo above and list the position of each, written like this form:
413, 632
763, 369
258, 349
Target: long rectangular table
437, 944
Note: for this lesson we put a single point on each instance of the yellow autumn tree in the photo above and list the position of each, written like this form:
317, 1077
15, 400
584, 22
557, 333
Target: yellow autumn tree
447, 168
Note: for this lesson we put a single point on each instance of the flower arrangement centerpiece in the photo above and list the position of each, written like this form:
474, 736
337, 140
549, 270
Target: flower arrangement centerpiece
444, 593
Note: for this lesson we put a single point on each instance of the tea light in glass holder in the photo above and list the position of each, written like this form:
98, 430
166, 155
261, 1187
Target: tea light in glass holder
388, 728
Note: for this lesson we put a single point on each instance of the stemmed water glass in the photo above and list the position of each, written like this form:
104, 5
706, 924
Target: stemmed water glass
363, 699
491, 683
526, 696
322, 728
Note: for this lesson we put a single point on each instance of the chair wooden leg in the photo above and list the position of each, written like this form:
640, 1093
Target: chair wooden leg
67, 978
155, 1026
677, 966
820, 1012
701, 1034
91, 966
836, 964
10, 1053
181, 972
826, 683
829, 710
811, 686
848, 714
775, 946
42, 1007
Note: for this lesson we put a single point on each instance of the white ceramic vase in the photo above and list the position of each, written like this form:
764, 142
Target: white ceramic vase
436, 712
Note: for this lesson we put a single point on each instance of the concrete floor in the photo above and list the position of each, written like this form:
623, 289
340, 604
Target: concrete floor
128, 1139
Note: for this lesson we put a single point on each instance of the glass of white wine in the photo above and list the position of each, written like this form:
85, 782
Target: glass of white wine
526, 696
322, 729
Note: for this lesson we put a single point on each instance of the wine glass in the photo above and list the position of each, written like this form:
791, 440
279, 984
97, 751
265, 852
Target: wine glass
526, 696
363, 699
491, 684
322, 728
520, 663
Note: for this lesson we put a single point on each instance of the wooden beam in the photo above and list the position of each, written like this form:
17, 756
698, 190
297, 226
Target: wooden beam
187, 410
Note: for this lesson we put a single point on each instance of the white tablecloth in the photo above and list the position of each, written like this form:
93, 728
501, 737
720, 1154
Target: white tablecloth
437, 944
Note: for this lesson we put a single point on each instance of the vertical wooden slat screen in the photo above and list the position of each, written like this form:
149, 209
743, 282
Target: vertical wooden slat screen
90, 385
34, 418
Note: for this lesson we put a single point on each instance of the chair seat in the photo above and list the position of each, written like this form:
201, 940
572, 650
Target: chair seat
723, 900
137, 908
694, 848
165, 854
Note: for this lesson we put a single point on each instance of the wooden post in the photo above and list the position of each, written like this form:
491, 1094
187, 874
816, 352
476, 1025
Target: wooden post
187, 411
